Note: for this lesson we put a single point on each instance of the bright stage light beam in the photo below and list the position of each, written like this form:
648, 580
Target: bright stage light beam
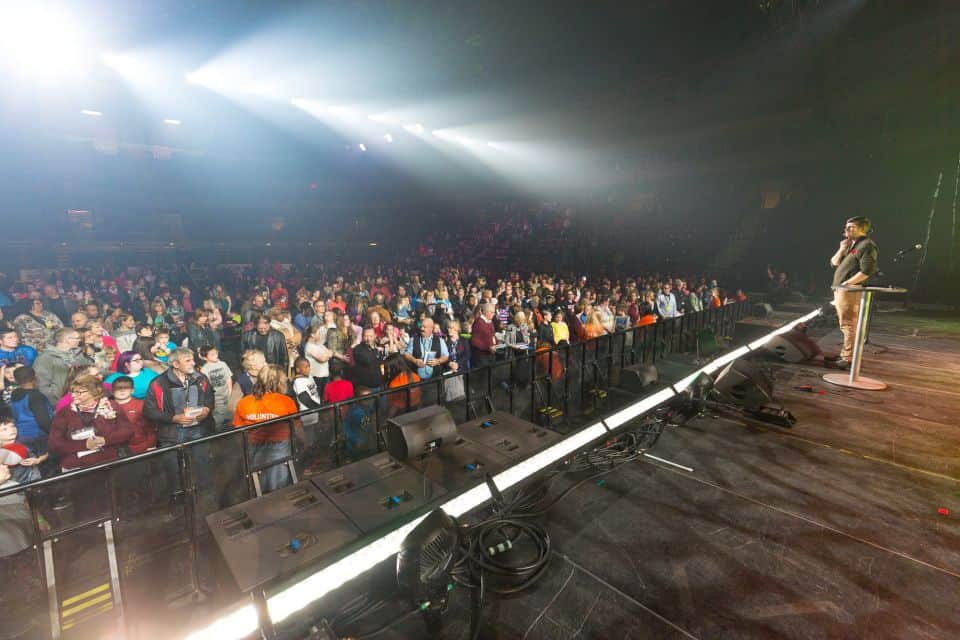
123, 64
91, 113
362, 147
416, 129
388, 138
173, 122
38, 41
379, 117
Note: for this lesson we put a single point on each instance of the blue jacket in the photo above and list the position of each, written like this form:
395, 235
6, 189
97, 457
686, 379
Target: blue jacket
23, 355
32, 414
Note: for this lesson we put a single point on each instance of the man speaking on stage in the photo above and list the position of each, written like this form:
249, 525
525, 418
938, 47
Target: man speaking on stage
855, 262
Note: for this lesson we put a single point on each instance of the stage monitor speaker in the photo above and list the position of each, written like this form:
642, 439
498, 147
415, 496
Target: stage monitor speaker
377, 490
515, 438
637, 377
675, 367
460, 465
747, 332
794, 346
745, 384
277, 534
421, 432
762, 310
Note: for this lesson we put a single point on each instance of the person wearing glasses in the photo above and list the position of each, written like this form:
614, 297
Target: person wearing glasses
89, 431
131, 364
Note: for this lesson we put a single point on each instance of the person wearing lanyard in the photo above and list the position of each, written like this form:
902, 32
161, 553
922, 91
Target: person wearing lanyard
422, 354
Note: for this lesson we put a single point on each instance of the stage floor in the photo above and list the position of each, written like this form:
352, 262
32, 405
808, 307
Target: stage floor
830, 529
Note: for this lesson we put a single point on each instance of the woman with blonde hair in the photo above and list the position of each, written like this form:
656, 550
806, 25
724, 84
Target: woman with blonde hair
340, 339
594, 326
269, 446
281, 320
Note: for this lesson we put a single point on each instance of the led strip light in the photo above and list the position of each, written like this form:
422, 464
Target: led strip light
243, 622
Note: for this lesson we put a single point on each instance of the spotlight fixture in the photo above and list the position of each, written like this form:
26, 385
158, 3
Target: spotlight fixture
388, 137
171, 121
362, 147
91, 112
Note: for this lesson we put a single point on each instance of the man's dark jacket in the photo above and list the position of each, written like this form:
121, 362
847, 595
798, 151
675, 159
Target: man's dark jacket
158, 405
276, 351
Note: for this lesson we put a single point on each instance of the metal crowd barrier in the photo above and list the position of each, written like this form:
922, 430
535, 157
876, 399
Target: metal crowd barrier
121, 550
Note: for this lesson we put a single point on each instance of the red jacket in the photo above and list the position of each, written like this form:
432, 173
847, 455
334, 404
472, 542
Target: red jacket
481, 336
116, 431
144, 432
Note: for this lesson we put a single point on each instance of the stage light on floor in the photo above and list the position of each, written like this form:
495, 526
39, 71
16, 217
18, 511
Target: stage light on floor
416, 128
91, 113
173, 122
388, 138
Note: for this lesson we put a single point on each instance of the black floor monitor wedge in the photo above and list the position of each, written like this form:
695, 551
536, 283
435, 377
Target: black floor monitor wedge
515, 438
376, 490
277, 534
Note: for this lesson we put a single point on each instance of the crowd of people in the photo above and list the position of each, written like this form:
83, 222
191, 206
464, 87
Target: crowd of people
97, 364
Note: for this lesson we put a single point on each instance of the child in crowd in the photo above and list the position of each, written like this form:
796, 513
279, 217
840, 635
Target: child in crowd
164, 346
338, 389
7, 384
358, 426
144, 432
305, 390
32, 413
221, 378
22, 461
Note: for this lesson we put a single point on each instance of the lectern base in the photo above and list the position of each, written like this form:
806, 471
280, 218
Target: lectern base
867, 384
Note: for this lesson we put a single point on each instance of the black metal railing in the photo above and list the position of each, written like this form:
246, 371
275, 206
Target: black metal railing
111, 550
